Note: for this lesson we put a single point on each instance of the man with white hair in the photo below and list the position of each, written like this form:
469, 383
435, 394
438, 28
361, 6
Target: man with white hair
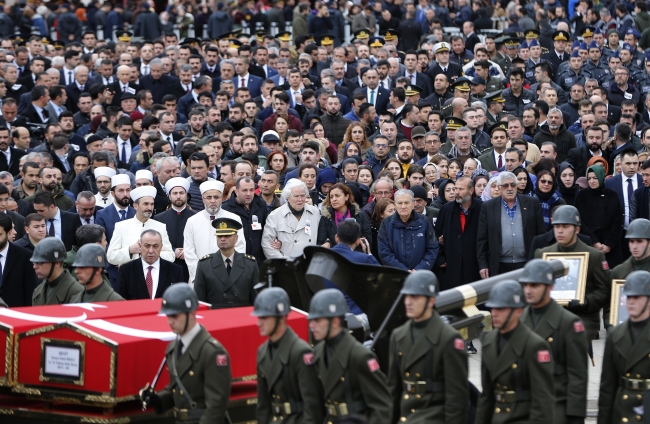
199, 240
123, 85
75, 89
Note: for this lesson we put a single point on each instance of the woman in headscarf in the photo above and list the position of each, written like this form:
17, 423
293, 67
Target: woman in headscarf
547, 194
601, 215
491, 190
325, 180
480, 177
598, 160
446, 193
566, 183
524, 184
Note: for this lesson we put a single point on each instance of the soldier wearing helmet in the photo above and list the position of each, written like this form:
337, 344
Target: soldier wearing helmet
565, 333
624, 394
89, 263
349, 373
638, 237
428, 368
199, 366
566, 226
285, 372
58, 286
517, 364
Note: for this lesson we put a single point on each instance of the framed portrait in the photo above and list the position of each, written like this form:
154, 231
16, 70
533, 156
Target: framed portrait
618, 312
572, 286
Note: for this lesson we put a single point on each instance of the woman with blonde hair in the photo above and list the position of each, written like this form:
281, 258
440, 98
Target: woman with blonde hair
356, 132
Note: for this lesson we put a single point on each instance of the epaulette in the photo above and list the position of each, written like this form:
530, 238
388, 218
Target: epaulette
205, 257
251, 257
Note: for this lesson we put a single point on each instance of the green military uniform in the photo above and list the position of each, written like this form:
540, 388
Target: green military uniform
215, 286
428, 373
493, 84
630, 265
102, 293
285, 378
57, 292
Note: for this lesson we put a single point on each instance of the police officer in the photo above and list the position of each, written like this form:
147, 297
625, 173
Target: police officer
565, 333
285, 372
58, 286
199, 366
517, 365
89, 263
643, 78
625, 377
350, 375
575, 73
594, 65
428, 363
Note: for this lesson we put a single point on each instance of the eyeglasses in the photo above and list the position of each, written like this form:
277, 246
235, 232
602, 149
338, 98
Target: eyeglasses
511, 185
546, 182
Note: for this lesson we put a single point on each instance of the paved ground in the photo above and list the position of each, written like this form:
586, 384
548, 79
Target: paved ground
594, 374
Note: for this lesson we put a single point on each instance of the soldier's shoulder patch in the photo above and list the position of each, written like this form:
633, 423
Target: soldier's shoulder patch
308, 358
605, 266
373, 365
205, 257
222, 360
578, 327
543, 356
251, 257
459, 344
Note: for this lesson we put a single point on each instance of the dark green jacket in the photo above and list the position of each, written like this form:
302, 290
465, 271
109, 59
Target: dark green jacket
621, 271
61, 201
63, 289
103, 293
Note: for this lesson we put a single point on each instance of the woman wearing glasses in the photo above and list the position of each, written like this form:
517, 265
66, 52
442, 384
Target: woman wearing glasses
548, 195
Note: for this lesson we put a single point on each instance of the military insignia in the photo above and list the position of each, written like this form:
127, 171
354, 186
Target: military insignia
205, 257
578, 327
459, 344
280, 307
56, 254
543, 356
308, 358
223, 226
332, 308
99, 259
605, 265
188, 303
222, 360
432, 288
516, 298
373, 365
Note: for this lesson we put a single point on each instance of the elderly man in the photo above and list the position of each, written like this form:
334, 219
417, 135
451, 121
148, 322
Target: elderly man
198, 241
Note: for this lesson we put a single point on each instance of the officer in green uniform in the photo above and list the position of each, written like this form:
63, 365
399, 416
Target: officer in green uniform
285, 372
199, 366
565, 333
625, 378
516, 367
566, 226
428, 363
89, 264
452, 124
58, 286
349, 372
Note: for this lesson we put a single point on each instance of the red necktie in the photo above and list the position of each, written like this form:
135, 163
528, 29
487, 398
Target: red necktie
149, 281
411, 78
243, 82
463, 220
500, 164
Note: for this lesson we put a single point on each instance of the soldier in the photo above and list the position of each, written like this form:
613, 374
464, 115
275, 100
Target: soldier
565, 333
566, 226
428, 362
89, 266
624, 380
285, 373
225, 279
494, 103
573, 74
199, 366
58, 286
534, 59
517, 365
512, 47
558, 55
596, 68
350, 374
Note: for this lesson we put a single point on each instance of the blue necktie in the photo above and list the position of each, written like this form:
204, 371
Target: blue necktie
124, 158
123, 215
630, 192
372, 97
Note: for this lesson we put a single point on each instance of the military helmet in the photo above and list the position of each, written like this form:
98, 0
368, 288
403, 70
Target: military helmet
90, 255
50, 249
421, 283
328, 303
566, 214
638, 229
537, 271
637, 284
272, 302
179, 298
506, 294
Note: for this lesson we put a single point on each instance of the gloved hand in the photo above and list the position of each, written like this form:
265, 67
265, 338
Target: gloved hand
575, 420
576, 307
151, 398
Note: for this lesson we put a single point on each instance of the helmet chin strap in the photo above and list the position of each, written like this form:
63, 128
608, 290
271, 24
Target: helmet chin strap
543, 296
92, 276
187, 322
275, 327
51, 271
645, 307
505, 323
424, 309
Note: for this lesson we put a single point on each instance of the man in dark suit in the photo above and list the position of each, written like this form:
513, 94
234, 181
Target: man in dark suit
149, 276
75, 89
245, 79
201, 84
443, 66
578, 157
157, 82
497, 249
10, 159
60, 224
122, 85
35, 112
415, 77
376, 95
17, 273
10, 118
86, 208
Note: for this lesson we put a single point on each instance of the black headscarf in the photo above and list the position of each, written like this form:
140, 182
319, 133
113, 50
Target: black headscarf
568, 193
529, 184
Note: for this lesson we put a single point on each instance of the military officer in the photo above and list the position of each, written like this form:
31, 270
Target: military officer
495, 111
596, 68
573, 74
452, 124
566, 226
199, 366
512, 47
428, 368
558, 55
226, 279
625, 377
350, 375
58, 286
285, 372
517, 365
89, 263
565, 333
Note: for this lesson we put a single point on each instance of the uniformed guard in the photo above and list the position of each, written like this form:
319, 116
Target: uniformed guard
565, 333
350, 374
517, 365
558, 55
89, 263
625, 379
226, 279
512, 47
285, 372
573, 74
428, 363
494, 103
594, 65
58, 286
451, 124
199, 366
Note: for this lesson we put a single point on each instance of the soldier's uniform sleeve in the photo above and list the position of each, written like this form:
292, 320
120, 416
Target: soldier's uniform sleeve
456, 377
485, 404
601, 281
215, 363
311, 388
542, 383
375, 389
609, 382
577, 369
395, 378
199, 284
263, 400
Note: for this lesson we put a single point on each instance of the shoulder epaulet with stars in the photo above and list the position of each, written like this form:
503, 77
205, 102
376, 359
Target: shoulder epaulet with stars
251, 257
205, 257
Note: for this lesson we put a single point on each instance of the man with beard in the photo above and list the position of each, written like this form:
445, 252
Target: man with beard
197, 242
405, 153
49, 184
199, 164
196, 124
556, 132
579, 156
236, 117
622, 90
334, 123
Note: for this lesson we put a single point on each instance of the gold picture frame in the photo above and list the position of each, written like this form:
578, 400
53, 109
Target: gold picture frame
617, 311
52, 377
573, 285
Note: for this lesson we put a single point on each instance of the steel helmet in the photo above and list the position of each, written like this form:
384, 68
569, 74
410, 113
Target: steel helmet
637, 284
537, 271
328, 303
272, 302
179, 298
566, 214
638, 229
50, 249
506, 294
421, 283
90, 255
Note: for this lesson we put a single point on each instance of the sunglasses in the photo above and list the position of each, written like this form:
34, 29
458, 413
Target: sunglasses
545, 182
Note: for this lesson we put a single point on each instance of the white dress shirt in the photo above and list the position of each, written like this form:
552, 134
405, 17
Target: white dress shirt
57, 224
155, 273
496, 158
127, 145
626, 201
128, 232
39, 110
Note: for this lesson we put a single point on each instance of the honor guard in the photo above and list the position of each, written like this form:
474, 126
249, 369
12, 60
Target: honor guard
89, 264
58, 286
565, 333
517, 365
494, 102
285, 366
349, 372
428, 368
199, 366
625, 379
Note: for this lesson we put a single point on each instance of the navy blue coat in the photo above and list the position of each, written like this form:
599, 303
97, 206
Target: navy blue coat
408, 246
357, 258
